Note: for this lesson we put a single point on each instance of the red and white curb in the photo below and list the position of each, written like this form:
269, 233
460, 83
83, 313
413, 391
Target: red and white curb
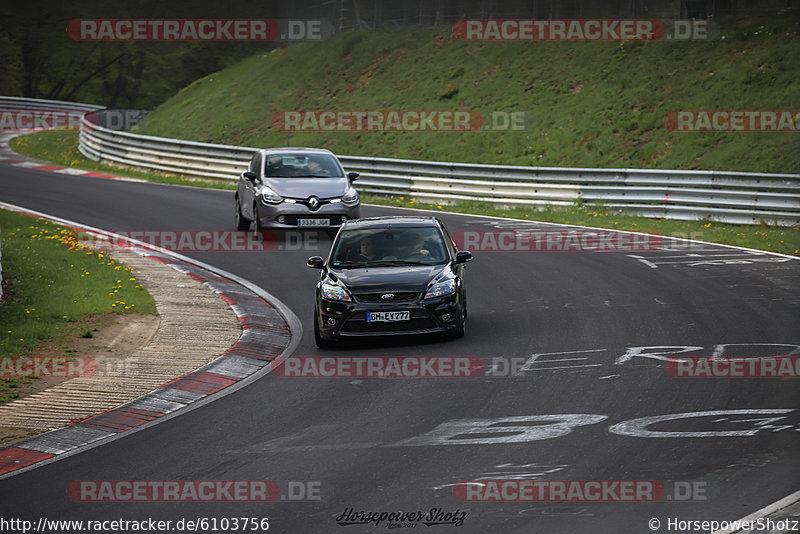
64, 170
270, 332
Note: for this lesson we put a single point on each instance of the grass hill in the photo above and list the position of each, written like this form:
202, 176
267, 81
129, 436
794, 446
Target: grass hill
589, 104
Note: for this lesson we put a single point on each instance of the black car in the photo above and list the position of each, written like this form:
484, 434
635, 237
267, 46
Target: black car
390, 276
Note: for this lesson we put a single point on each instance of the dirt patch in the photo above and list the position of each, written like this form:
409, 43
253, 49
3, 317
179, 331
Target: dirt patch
114, 337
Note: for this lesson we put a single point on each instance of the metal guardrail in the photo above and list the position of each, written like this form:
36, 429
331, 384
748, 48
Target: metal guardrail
32, 104
732, 197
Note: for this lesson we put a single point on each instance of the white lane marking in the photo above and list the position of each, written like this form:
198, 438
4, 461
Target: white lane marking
68, 170
764, 512
693, 255
646, 262
671, 350
744, 261
638, 427
27, 164
534, 360
512, 429
566, 367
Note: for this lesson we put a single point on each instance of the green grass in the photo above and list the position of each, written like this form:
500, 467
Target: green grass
61, 148
588, 104
771, 238
50, 281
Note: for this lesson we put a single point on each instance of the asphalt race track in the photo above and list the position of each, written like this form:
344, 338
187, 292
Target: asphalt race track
587, 326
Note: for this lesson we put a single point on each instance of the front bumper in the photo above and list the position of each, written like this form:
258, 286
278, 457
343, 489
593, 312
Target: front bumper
290, 213
439, 315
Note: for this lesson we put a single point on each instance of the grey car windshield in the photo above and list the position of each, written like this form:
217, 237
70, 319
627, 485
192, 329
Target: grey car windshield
302, 166
389, 247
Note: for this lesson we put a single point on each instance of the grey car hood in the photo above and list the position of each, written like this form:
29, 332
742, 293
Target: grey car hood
305, 187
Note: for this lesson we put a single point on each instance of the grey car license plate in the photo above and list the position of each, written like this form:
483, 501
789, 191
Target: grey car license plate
387, 317
313, 222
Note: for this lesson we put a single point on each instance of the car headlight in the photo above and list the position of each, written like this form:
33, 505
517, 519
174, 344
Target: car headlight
441, 289
269, 196
334, 292
350, 196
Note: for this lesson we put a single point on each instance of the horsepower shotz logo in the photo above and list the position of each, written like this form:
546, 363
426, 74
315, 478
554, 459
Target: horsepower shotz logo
402, 519
578, 240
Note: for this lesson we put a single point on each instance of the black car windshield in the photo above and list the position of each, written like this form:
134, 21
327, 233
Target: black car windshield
302, 166
388, 247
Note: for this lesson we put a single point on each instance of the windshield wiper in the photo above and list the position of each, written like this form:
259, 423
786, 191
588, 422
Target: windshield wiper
315, 176
395, 262
348, 264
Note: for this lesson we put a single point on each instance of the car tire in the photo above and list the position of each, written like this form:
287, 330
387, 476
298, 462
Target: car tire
241, 222
321, 343
462, 326
256, 226
462, 321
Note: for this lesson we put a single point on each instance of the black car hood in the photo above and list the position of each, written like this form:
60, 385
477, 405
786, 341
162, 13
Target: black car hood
401, 278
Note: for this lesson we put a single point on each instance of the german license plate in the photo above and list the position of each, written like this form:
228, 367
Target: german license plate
387, 317
313, 222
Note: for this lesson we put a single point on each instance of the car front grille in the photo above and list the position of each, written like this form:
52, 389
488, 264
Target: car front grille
402, 296
421, 323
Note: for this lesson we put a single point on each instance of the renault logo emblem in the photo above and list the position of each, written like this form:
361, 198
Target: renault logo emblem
387, 296
313, 202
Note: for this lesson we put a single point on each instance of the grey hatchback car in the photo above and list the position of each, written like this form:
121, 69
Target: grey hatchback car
295, 187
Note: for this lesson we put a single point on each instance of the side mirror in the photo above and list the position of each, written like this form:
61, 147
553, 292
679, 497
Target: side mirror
463, 256
316, 262
249, 175
352, 176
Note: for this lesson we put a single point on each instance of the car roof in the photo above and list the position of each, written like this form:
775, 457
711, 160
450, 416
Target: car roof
391, 221
294, 150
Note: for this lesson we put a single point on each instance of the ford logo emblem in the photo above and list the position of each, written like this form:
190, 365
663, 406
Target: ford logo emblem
387, 296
